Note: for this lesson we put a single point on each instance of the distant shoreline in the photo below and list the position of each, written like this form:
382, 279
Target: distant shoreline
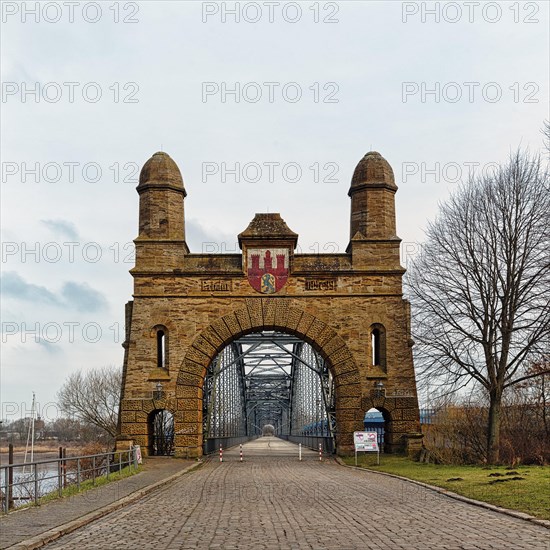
41, 452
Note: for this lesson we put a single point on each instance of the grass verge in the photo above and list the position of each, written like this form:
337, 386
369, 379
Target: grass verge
89, 484
86, 485
524, 488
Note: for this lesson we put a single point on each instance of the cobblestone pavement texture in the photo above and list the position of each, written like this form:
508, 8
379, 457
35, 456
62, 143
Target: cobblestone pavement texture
272, 500
24, 524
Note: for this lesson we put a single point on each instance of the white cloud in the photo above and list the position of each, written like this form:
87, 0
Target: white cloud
62, 228
15, 287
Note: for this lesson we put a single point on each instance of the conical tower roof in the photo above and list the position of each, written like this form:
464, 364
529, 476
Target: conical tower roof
373, 169
161, 171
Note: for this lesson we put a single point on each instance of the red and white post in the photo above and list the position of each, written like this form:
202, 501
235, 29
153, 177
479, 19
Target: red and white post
320, 452
241, 452
221, 454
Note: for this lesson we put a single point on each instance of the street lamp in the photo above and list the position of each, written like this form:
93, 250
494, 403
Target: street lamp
379, 385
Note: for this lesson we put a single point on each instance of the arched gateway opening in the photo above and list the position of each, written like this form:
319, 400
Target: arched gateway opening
228, 344
289, 370
269, 383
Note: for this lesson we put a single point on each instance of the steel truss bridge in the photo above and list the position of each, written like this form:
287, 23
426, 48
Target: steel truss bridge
268, 381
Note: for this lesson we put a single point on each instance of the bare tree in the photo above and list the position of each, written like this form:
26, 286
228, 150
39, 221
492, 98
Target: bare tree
535, 392
68, 430
546, 133
93, 397
480, 288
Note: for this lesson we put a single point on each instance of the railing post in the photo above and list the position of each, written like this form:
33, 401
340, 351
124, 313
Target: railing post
64, 451
59, 475
108, 465
78, 473
6, 482
9, 488
35, 483
120, 462
93, 470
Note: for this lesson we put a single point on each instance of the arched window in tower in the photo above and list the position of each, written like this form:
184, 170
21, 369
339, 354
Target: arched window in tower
375, 342
378, 345
161, 349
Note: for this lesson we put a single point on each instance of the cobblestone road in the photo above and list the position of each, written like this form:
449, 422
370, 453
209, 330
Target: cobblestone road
26, 524
273, 501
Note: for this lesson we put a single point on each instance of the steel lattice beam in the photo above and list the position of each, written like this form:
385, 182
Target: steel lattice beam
268, 378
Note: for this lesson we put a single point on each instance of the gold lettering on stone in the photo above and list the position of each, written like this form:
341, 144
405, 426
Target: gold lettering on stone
216, 286
321, 284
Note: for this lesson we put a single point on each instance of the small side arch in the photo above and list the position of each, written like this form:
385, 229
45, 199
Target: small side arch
161, 432
378, 420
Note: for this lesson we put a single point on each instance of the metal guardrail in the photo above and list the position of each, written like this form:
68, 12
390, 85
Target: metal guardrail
33, 480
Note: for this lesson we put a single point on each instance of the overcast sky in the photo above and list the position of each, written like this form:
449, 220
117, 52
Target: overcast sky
89, 95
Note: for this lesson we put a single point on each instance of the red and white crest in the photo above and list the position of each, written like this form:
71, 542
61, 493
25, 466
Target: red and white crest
267, 269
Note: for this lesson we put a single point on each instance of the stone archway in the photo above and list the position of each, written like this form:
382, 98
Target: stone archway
257, 315
203, 301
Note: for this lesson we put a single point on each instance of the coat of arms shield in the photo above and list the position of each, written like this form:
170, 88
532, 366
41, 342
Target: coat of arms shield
267, 269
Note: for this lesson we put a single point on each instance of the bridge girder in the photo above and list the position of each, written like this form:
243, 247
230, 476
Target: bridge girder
268, 378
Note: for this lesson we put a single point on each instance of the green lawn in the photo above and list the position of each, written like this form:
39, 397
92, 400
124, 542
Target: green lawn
524, 488
89, 484
86, 485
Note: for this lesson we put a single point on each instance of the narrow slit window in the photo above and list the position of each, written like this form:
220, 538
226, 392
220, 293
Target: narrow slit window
375, 341
161, 349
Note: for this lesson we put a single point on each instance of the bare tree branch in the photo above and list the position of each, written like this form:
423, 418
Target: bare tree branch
480, 289
93, 397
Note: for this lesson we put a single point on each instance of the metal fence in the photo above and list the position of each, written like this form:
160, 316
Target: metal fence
23, 483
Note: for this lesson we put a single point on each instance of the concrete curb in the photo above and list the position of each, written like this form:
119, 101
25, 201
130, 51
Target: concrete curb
456, 496
48, 536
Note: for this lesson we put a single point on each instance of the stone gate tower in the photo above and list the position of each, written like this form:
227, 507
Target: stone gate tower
187, 307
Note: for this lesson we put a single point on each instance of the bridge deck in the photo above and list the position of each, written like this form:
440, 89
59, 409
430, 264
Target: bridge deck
269, 448
272, 500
